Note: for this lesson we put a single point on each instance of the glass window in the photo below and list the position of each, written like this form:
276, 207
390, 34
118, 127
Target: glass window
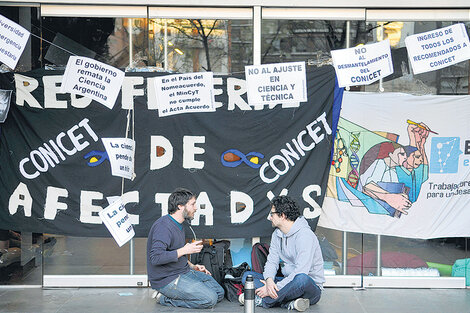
119, 42
308, 40
452, 80
28, 18
194, 45
93, 256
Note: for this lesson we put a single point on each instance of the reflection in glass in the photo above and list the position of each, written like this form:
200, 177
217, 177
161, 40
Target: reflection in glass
93, 256
119, 42
452, 80
193, 45
308, 40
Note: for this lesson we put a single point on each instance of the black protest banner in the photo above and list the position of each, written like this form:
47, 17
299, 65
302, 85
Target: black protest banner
55, 175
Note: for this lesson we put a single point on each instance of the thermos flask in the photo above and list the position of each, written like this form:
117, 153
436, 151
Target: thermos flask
249, 295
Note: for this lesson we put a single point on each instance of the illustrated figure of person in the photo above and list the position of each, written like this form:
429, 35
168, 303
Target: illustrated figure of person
379, 180
415, 170
177, 281
295, 248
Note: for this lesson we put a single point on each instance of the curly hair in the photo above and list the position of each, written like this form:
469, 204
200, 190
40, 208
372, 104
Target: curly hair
180, 196
287, 206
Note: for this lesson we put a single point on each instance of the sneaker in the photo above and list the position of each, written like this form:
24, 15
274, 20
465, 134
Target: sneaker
241, 298
258, 300
299, 304
156, 295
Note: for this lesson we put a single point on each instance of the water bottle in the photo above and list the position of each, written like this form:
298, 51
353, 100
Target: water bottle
249, 295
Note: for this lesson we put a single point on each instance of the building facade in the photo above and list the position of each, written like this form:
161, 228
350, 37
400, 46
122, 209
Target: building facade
186, 36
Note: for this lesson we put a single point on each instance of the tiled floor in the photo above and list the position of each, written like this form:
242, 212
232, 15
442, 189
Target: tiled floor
340, 300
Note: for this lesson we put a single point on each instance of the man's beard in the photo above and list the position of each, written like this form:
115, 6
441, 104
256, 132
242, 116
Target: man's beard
186, 215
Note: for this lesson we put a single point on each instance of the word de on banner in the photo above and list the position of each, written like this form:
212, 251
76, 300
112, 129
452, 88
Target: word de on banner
121, 153
439, 48
276, 83
117, 221
13, 39
363, 65
185, 93
92, 79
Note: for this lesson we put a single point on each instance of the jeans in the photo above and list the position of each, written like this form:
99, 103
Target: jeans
302, 286
193, 290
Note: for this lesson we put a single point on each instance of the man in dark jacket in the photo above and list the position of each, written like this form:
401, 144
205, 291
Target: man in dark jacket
177, 281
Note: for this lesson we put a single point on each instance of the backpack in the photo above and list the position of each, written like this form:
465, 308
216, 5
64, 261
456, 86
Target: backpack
216, 258
259, 255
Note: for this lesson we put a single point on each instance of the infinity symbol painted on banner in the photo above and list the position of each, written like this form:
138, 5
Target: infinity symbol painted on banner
233, 158
94, 160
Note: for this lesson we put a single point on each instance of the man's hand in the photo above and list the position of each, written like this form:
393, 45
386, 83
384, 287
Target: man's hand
268, 290
190, 248
398, 201
201, 268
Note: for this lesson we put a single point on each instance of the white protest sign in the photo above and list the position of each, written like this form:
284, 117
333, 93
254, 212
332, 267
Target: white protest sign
117, 221
121, 153
438, 48
276, 83
13, 39
92, 79
363, 65
185, 93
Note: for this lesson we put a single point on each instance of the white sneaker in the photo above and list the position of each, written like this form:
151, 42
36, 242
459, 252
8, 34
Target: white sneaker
258, 300
299, 304
156, 295
241, 298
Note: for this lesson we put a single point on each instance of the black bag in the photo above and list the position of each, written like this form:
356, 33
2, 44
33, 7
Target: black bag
233, 289
216, 258
233, 281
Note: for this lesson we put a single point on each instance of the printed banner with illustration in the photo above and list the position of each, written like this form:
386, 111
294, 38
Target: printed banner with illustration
401, 166
55, 174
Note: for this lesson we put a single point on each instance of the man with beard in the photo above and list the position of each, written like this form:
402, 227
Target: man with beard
295, 248
177, 281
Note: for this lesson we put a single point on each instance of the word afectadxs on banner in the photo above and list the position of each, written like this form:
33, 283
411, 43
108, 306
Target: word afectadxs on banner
13, 39
276, 83
117, 221
363, 65
92, 79
402, 169
55, 173
438, 48
121, 153
185, 93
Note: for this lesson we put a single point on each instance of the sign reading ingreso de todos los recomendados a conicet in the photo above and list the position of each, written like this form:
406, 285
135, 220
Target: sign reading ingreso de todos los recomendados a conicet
438, 48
